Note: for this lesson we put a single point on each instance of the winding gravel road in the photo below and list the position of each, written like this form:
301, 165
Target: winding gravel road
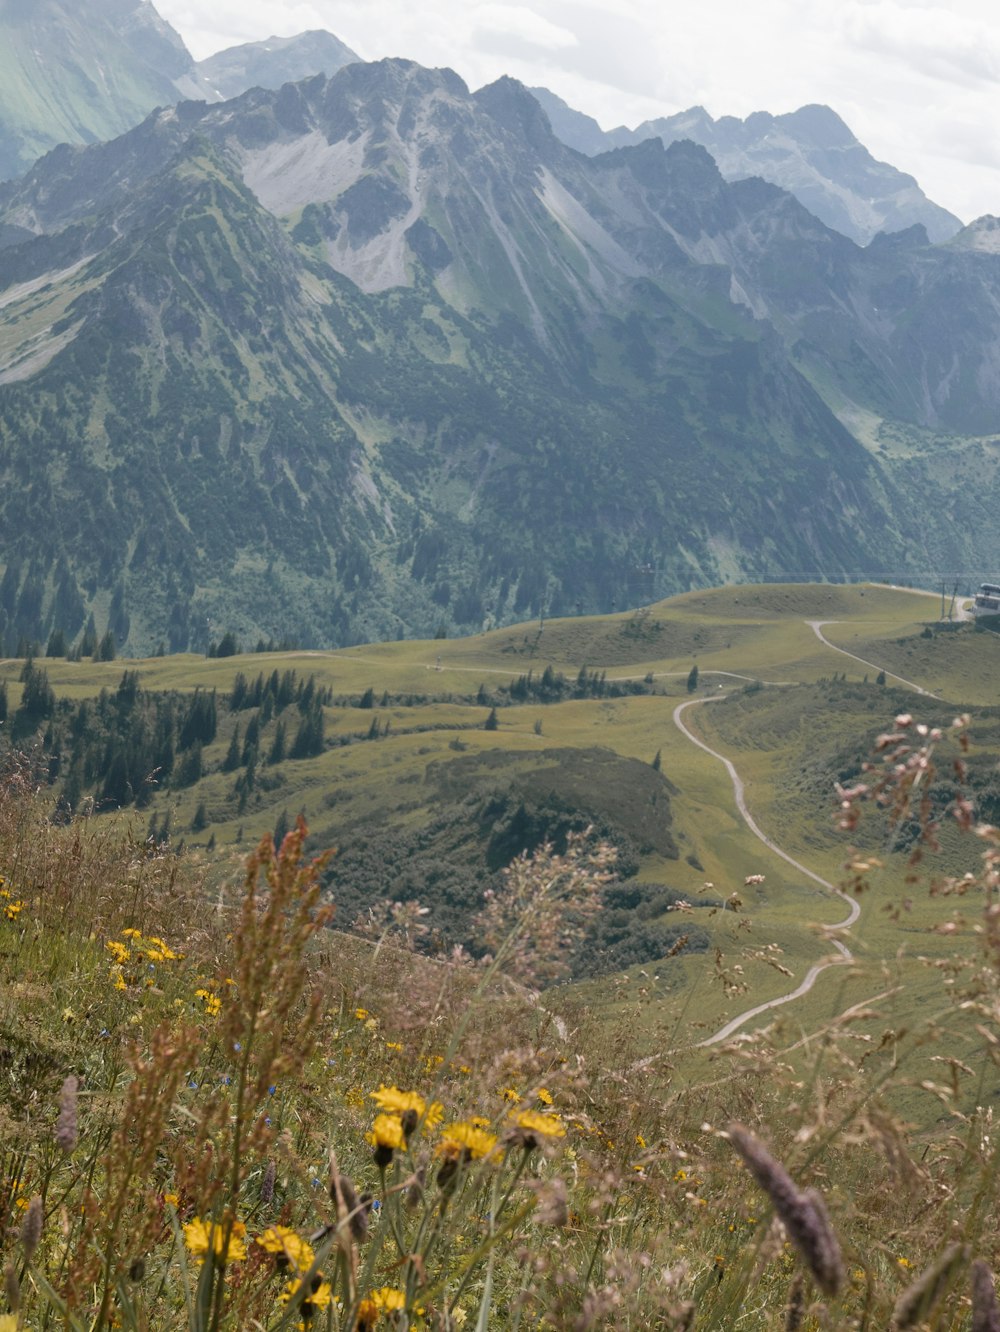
817, 627
854, 909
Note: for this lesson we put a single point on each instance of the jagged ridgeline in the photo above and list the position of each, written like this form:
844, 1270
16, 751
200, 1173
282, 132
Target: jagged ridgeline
371, 356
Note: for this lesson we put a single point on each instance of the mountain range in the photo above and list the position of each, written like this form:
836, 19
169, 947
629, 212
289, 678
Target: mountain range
370, 355
810, 153
82, 71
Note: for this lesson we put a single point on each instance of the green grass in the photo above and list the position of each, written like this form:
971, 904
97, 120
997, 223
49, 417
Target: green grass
785, 742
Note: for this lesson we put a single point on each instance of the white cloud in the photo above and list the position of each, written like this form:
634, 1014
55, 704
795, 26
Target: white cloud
521, 22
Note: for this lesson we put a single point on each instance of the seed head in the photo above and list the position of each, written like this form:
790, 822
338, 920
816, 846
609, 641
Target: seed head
31, 1228
12, 1286
985, 1314
66, 1124
267, 1183
803, 1214
917, 1301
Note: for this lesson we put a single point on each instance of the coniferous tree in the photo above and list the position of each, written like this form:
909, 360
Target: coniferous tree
232, 760
278, 745
692, 680
491, 723
56, 646
309, 737
88, 643
107, 649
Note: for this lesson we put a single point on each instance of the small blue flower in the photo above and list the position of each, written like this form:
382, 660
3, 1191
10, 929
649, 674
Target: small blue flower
267, 1120
272, 1089
226, 1080
376, 1205
237, 1046
193, 1086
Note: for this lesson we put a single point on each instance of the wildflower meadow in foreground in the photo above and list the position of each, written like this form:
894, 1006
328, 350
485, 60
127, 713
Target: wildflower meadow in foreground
252, 1122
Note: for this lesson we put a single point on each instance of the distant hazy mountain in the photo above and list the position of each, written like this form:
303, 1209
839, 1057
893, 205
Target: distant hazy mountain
809, 152
80, 71
84, 71
274, 62
370, 354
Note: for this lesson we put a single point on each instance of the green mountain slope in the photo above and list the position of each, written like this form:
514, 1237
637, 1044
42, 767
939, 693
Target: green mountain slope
369, 355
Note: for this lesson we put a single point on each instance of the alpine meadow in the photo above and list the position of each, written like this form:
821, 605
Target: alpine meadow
499, 749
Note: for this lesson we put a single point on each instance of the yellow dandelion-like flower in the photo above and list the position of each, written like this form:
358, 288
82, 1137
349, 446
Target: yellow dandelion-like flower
640, 1141
212, 1002
361, 1014
13, 909
548, 1126
287, 1246
131, 934
387, 1299
202, 1237
511, 1096
387, 1131
394, 1045
544, 1095
118, 951
318, 1297
68, 1015
8, 1322
531, 1128
168, 953
466, 1139
386, 1135
119, 981
368, 1315
408, 1104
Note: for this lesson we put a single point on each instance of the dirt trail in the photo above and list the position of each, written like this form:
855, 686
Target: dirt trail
854, 909
817, 626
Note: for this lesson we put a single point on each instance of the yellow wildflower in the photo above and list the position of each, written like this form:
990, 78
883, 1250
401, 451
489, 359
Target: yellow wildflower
118, 951
544, 1095
212, 1002
387, 1299
8, 1323
367, 1316
131, 934
466, 1139
400, 1103
201, 1236
511, 1096
288, 1247
530, 1128
13, 909
318, 1297
361, 1014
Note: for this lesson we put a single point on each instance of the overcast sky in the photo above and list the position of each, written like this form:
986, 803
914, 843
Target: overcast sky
918, 81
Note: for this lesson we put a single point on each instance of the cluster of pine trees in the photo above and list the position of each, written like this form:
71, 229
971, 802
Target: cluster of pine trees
121, 746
